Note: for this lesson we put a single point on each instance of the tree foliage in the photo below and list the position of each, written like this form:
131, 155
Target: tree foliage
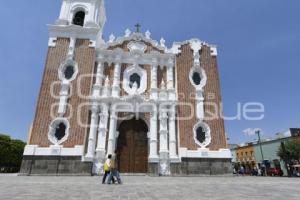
11, 152
290, 150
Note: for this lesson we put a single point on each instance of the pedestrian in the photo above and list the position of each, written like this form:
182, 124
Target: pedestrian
107, 166
114, 171
259, 172
242, 171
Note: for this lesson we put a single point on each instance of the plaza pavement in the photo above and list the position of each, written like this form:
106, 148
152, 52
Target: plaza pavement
14, 187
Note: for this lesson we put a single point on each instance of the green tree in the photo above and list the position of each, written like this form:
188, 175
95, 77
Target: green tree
11, 152
290, 150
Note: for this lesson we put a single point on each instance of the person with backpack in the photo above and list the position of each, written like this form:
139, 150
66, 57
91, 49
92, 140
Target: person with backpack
114, 171
107, 168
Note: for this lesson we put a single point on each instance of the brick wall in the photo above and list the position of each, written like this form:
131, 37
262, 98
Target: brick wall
85, 57
187, 91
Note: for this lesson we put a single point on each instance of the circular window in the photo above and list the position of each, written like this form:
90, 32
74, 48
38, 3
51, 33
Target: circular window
68, 71
58, 131
198, 77
202, 134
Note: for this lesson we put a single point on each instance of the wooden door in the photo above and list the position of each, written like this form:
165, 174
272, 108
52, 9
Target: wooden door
133, 147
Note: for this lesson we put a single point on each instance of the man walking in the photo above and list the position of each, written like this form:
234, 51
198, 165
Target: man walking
113, 170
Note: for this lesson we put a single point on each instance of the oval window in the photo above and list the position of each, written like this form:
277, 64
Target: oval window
196, 78
69, 72
200, 134
60, 131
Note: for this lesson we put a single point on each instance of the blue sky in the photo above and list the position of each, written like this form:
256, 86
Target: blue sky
258, 43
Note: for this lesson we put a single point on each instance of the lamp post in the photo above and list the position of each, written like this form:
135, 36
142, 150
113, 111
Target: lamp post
261, 151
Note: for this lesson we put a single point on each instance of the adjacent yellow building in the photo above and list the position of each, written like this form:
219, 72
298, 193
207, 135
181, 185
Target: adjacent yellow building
245, 157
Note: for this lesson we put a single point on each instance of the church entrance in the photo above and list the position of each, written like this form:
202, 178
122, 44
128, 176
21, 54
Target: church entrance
132, 147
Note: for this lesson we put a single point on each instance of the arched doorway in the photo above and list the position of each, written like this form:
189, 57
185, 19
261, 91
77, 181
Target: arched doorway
132, 147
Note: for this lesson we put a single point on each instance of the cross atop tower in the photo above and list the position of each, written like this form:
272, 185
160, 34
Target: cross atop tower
138, 27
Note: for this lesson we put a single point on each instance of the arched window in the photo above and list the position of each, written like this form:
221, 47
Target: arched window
79, 18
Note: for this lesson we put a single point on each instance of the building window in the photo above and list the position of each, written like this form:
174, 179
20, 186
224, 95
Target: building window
79, 18
58, 131
68, 70
202, 136
135, 78
198, 77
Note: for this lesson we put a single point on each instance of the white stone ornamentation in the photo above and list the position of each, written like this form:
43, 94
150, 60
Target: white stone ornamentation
137, 47
148, 34
54, 126
127, 32
207, 134
202, 76
63, 67
111, 38
128, 85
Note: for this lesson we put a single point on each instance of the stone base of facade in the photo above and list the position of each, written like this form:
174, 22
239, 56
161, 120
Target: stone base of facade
55, 166
201, 166
73, 165
153, 169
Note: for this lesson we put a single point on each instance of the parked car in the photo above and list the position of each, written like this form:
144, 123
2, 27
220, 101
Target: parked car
274, 172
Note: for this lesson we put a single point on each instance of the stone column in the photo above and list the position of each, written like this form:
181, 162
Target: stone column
99, 80
170, 80
92, 133
154, 90
163, 132
102, 134
164, 161
63, 17
153, 157
170, 76
102, 129
172, 133
116, 82
112, 131
91, 16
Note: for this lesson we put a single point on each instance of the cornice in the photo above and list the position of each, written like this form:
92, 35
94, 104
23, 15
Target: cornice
74, 31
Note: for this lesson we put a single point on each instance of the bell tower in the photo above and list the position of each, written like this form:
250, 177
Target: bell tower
60, 126
83, 19
88, 13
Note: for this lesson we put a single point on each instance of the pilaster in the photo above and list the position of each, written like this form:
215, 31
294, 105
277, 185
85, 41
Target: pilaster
92, 133
116, 82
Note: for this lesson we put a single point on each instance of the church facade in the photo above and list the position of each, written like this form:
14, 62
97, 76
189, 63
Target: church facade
158, 109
